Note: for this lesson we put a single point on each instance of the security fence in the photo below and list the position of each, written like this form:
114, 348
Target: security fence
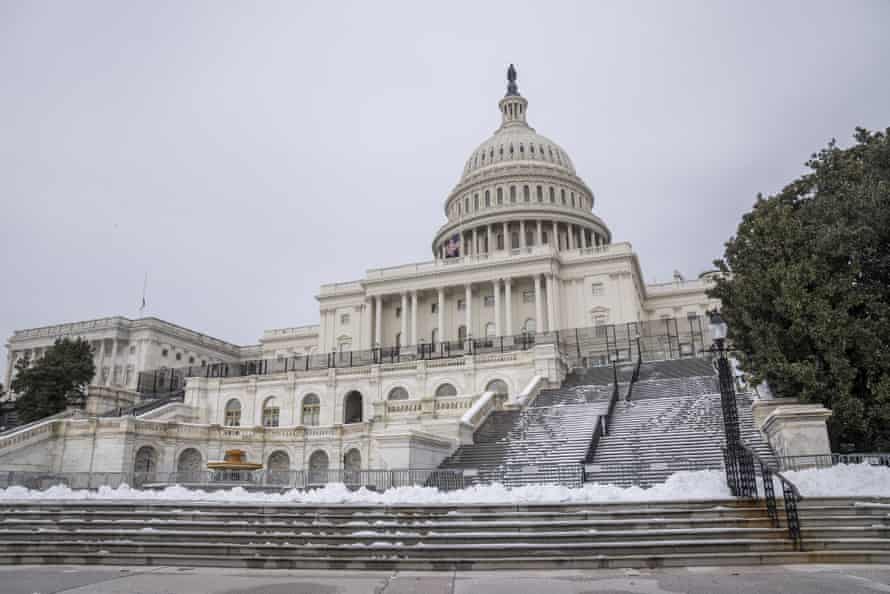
582, 347
828, 460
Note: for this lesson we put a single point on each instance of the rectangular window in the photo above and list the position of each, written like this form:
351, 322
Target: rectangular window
434, 307
692, 315
461, 305
597, 290
488, 301
344, 319
398, 312
528, 296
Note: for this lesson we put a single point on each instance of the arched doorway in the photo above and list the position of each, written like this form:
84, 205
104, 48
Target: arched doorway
352, 465
145, 465
188, 467
352, 408
278, 468
318, 468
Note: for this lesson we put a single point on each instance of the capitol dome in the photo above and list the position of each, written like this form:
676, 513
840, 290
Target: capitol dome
514, 178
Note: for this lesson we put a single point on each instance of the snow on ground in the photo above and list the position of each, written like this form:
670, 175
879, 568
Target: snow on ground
842, 480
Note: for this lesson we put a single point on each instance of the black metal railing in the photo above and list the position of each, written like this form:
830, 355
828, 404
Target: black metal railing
373, 479
790, 497
829, 460
581, 347
602, 427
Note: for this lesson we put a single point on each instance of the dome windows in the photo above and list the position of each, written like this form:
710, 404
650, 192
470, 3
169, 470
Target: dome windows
500, 195
553, 195
512, 194
526, 194
540, 193
487, 199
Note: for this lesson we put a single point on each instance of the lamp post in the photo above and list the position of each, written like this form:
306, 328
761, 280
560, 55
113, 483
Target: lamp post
739, 463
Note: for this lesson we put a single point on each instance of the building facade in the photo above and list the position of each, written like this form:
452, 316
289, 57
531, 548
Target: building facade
521, 259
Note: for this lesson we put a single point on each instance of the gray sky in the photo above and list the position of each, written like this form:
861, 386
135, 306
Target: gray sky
244, 153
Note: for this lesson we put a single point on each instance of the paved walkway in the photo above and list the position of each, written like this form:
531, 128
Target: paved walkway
789, 579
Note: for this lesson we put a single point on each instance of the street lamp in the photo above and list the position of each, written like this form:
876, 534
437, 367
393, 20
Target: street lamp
718, 329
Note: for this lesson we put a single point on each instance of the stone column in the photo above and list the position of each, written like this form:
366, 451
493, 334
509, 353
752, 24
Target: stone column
367, 325
378, 320
540, 240
521, 234
539, 305
404, 319
489, 245
507, 245
555, 240
414, 317
468, 308
475, 241
110, 381
443, 336
570, 236
508, 310
497, 306
551, 310
100, 381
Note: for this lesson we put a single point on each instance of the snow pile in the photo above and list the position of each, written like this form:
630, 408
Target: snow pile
842, 480
708, 484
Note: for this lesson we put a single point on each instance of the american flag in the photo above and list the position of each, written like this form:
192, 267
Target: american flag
452, 248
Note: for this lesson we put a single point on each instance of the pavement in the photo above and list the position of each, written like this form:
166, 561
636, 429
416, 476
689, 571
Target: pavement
785, 579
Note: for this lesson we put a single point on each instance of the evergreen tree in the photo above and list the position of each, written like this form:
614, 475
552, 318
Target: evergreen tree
46, 387
805, 289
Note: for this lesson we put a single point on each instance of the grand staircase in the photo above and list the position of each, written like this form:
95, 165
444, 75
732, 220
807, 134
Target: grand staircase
440, 537
668, 420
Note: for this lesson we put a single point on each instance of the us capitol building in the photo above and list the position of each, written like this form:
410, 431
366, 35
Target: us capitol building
404, 363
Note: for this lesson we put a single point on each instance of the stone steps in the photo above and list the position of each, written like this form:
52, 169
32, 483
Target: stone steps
645, 534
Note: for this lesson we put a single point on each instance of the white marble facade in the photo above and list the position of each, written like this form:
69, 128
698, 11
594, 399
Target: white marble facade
521, 250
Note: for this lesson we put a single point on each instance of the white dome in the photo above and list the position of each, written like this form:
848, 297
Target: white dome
514, 144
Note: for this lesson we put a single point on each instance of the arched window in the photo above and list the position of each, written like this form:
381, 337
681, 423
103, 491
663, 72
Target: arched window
446, 390
526, 194
553, 194
500, 241
500, 195
514, 240
398, 393
271, 412
146, 460
497, 386
475, 201
318, 468
529, 326
188, 466
490, 331
278, 467
512, 193
540, 193
487, 198
233, 413
352, 408
311, 409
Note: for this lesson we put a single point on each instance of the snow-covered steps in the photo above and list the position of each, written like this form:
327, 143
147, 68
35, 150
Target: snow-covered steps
434, 537
669, 425
513, 447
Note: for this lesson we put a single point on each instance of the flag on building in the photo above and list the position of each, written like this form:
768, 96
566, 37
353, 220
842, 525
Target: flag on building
452, 247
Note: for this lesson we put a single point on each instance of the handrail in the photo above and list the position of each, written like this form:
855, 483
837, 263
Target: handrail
602, 427
790, 495
635, 377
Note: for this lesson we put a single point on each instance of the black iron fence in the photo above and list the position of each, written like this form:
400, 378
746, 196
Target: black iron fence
373, 479
790, 495
828, 460
582, 347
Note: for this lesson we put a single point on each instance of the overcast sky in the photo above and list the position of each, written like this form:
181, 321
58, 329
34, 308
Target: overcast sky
243, 153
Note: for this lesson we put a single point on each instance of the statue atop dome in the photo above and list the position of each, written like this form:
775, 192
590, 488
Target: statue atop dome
512, 88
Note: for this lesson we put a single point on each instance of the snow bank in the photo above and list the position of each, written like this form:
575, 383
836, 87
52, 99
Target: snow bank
708, 484
842, 480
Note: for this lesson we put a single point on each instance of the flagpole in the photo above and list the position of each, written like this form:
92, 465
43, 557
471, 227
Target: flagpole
144, 286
